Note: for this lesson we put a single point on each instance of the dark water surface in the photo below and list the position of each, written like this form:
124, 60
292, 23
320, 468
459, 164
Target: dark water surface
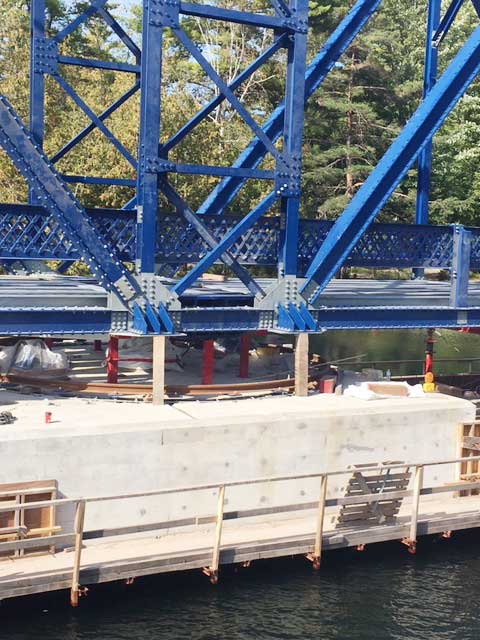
399, 345
382, 593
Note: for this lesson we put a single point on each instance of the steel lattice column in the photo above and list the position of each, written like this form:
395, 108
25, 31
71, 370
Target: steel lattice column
150, 112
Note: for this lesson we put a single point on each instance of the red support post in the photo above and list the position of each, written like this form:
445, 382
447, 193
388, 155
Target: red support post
244, 355
49, 343
207, 362
428, 367
112, 360
97, 345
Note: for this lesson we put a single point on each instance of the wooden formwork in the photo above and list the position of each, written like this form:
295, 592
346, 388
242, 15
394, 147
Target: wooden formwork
469, 446
27, 524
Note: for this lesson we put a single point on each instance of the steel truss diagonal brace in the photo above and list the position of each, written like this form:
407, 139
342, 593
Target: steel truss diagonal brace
316, 72
52, 192
174, 198
384, 178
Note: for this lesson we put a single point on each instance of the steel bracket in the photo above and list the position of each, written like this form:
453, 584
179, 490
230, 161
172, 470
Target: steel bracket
45, 55
284, 291
296, 24
156, 292
158, 165
164, 13
288, 176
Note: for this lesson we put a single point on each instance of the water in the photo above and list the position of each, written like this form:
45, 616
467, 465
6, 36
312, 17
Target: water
380, 594
398, 345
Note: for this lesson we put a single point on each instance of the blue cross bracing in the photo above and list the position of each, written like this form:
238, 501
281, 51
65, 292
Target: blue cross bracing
147, 262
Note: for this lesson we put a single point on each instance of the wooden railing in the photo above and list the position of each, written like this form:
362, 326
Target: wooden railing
79, 535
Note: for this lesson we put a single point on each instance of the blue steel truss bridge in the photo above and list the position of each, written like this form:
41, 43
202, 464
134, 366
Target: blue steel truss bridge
147, 260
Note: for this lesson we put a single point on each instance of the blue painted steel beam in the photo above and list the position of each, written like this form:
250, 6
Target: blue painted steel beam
70, 91
231, 15
109, 65
293, 143
430, 76
195, 52
92, 126
316, 72
120, 33
118, 182
94, 6
281, 8
226, 257
37, 79
447, 21
462, 245
213, 104
149, 136
209, 170
389, 171
232, 236
54, 321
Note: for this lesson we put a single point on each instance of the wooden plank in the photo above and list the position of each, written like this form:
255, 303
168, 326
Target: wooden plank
65, 538
301, 364
317, 551
79, 524
417, 488
158, 381
213, 569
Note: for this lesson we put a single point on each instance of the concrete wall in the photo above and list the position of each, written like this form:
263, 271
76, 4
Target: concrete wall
101, 448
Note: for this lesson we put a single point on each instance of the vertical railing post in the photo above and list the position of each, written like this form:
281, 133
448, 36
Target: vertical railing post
212, 570
79, 523
411, 541
316, 557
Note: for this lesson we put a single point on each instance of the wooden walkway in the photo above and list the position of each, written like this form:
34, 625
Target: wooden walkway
381, 503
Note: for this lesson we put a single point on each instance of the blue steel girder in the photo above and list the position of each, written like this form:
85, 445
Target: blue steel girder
389, 171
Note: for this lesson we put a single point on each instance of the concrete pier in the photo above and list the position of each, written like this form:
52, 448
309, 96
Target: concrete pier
94, 448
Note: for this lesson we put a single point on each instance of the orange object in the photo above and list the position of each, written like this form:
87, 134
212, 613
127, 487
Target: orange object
48, 417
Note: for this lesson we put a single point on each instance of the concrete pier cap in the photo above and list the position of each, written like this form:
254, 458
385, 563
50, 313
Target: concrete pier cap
100, 447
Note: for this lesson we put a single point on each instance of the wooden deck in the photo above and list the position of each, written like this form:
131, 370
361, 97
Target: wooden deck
374, 509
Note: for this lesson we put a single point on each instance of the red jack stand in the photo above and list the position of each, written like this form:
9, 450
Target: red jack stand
428, 366
207, 362
244, 355
97, 345
49, 343
112, 360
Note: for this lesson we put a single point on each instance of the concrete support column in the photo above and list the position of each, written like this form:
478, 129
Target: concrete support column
158, 370
301, 364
